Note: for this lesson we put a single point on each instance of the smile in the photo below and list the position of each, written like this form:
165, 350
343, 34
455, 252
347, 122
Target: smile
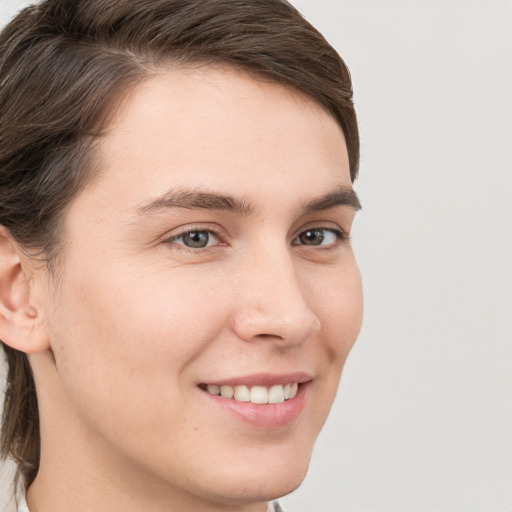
263, 400
258, 394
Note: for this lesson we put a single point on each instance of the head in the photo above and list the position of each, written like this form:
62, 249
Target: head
175, 204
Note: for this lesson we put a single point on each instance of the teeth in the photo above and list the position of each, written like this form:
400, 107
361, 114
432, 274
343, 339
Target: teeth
255, 394
242, 394
227, 391
259, 395
213, 389
275, 395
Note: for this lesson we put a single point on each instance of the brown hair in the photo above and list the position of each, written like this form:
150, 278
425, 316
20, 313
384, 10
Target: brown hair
63, 63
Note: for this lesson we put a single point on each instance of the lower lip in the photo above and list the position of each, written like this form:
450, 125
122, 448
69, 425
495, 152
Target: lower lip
265, 416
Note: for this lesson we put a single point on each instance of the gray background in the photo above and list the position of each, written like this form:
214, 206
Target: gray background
423, 420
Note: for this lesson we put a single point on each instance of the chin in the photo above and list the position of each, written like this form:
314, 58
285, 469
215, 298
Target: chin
282, 485
255, 490
260, 478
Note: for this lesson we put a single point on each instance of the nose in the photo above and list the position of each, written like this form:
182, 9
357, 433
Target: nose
271, 303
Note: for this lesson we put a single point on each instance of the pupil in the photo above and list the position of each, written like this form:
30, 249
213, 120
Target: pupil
196, 239
312, 237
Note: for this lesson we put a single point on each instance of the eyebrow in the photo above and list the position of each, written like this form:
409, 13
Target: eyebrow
197, 200
341, 196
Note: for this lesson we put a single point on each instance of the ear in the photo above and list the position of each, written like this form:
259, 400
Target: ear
21, 325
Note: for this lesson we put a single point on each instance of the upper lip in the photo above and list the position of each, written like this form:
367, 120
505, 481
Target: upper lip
263, 379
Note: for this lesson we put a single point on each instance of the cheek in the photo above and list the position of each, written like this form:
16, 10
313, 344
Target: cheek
338, 304
126, 350
135, 335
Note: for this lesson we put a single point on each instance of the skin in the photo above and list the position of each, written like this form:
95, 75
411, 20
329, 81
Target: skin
136, 319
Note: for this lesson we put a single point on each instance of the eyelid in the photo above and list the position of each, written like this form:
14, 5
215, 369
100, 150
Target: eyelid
171, 236
340, 233
178, 239
219, 233
327, 225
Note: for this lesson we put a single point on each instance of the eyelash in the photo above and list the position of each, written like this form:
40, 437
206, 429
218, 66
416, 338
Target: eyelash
173, 240
340, 236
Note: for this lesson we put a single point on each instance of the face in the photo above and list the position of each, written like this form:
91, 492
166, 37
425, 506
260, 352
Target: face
210, 255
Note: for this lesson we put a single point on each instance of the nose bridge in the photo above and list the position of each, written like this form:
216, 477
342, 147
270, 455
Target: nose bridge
272, 303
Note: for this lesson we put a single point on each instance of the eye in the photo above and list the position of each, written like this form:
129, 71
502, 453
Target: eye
318, 237
196, 239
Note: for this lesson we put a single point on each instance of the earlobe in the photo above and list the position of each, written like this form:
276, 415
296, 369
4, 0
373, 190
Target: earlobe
21, 325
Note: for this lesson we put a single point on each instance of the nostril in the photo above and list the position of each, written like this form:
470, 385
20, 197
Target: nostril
270, 337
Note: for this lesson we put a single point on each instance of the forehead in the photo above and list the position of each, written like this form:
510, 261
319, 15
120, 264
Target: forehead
216, 128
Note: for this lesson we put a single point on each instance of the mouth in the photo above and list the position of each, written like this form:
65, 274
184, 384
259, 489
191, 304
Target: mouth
258, 394
263, 401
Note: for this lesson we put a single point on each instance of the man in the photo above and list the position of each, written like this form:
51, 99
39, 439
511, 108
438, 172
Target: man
178, 289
